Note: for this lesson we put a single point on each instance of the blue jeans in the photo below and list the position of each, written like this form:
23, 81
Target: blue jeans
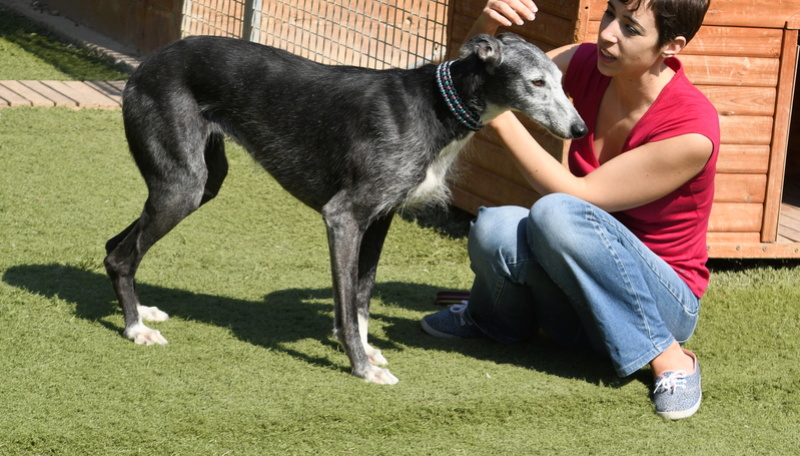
573, 271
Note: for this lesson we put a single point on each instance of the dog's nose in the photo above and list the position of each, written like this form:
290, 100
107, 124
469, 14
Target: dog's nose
579, 130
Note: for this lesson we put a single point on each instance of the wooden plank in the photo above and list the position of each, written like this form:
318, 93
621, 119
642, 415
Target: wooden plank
736, 217
753, 237
780, 136
83, 94
731, 70
58, 98
789, 233
790, 214
466, 201
789, 222
754, 250
742, 101
11, 98
114, 92
736, 41
34, 97
490, 157
755, 130
493, 188
737, 158
740, 188
749, 13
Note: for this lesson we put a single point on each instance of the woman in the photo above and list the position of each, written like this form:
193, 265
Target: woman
613, 256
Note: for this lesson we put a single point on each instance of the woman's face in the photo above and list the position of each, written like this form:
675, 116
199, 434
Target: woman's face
628, 40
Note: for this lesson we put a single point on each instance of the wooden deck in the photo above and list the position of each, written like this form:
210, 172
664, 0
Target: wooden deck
71, 94
789, 225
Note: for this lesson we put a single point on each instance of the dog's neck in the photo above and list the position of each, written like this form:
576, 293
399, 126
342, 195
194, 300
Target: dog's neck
460, 110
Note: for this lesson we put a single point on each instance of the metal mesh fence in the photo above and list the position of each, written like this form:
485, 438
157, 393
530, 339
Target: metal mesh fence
368, 33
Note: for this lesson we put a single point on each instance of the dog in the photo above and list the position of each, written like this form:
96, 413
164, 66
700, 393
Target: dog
355, 144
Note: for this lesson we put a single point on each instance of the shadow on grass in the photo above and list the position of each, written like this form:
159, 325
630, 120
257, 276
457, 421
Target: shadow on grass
447, 221
294, 314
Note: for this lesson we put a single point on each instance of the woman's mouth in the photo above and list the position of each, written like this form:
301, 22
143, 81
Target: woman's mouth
605, 56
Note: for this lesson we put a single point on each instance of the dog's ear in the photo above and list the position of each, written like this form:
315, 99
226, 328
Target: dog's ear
487, 48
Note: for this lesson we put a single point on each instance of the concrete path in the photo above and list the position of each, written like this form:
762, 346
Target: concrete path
71, 94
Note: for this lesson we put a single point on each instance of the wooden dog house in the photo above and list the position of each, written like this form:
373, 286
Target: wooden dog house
744, 59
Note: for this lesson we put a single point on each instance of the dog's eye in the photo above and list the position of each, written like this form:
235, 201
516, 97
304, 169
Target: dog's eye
538, 82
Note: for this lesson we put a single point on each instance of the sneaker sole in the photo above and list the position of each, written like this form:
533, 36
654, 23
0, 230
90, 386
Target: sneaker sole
428, 329
680, 414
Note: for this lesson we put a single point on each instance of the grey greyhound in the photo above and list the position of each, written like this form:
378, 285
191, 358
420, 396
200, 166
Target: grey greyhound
355, 144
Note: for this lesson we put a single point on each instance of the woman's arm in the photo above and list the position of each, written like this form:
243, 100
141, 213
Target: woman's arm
637, 177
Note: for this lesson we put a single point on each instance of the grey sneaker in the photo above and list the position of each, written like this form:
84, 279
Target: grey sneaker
677, 395
451, 323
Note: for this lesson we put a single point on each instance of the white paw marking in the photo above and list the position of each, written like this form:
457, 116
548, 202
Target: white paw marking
375, 356
380, 376
142, 335
151, 313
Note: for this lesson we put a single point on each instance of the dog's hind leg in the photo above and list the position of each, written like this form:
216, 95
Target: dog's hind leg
345, 234
176, 190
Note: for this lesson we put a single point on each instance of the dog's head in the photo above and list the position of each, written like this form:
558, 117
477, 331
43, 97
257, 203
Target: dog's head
518, 75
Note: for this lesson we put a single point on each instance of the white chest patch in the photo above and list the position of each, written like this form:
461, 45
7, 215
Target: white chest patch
433, 188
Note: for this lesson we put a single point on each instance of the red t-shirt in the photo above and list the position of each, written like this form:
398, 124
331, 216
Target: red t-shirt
675, 226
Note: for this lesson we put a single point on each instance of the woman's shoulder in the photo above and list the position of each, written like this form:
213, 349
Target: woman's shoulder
563, 55
582, 80
681, 108
685, 100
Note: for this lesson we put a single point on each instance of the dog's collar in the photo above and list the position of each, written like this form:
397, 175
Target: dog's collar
466, 116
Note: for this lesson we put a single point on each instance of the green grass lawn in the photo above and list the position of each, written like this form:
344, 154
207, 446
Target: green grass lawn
251, 368
28, 51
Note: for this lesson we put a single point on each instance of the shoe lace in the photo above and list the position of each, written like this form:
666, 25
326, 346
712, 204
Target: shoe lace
671, 381
458, 310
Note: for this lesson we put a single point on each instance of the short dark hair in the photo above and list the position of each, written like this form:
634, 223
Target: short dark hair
675, 18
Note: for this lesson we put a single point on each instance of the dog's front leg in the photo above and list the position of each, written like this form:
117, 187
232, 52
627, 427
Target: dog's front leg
369, 254
345, 233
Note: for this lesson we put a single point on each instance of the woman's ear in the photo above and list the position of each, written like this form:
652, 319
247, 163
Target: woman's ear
674, 47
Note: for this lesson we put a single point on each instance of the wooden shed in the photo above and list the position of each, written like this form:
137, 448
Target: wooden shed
744, 59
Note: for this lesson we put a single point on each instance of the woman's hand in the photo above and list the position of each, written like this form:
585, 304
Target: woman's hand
503, 13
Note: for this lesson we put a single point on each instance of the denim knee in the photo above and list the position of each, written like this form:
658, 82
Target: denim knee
555, 224
495, 237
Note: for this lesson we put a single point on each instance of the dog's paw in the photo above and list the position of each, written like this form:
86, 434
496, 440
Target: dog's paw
142, 335
375, 356
151, 313
380, 376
